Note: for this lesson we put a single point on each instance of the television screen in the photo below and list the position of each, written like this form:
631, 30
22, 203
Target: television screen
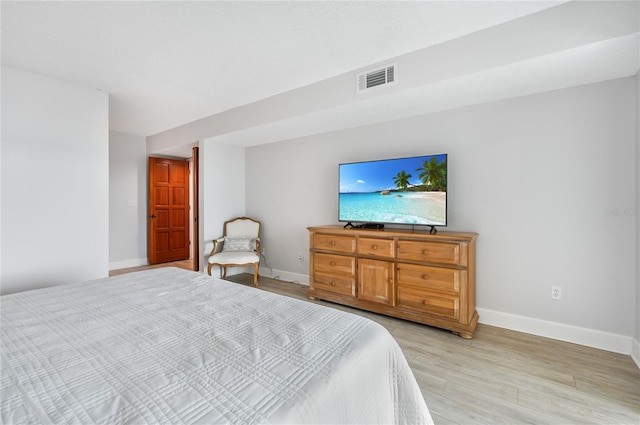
400, 191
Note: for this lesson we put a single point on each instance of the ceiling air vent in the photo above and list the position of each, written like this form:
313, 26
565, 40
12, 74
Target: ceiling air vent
375, 78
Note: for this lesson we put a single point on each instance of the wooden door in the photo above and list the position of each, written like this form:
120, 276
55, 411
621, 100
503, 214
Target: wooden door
168, 210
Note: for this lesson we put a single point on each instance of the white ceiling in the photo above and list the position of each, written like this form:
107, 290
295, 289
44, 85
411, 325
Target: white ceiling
165, 64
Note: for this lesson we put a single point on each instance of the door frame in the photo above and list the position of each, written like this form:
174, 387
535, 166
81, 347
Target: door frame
195, 208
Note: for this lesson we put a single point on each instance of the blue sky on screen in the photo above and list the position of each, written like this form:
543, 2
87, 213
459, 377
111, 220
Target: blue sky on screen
372, 176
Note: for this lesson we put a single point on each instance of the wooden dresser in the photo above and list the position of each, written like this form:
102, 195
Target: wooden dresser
417, 276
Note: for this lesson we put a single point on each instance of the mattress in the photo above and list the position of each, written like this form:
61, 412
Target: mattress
172, 346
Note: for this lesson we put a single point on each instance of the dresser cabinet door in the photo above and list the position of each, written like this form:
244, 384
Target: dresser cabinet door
375, 281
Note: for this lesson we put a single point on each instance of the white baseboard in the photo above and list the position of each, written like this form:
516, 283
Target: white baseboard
568, 333
128, 263
285, 275
635, 352
267, 272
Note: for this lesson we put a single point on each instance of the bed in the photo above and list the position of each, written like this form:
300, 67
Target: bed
173, 346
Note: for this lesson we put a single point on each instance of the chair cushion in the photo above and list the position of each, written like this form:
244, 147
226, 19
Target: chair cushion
234, 257
235, 244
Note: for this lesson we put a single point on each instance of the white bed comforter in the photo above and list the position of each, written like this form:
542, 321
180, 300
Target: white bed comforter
172, 346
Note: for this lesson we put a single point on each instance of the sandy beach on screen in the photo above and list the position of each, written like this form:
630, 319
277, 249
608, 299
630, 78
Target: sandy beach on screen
431, 195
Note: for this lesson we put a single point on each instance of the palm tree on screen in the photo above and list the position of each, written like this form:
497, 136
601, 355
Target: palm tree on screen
433, 174
401, 180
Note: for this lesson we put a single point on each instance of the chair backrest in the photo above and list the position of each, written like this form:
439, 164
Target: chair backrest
242, 226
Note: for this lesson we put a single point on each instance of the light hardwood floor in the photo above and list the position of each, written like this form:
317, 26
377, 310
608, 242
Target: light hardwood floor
502, 376
184, 264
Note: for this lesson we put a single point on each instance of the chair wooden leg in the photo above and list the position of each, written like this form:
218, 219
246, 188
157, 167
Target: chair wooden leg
209, 269
223, 269
255, 275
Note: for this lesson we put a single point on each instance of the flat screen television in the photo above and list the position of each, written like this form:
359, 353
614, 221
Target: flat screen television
410, 190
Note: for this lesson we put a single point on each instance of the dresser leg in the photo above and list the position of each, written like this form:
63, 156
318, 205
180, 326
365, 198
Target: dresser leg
465, 335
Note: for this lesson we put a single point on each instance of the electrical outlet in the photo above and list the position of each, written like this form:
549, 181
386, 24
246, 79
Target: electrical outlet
300, 257
556, 293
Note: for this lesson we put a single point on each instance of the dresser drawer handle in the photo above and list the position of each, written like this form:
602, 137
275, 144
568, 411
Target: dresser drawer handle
333, 243
374, 247
425, 251
425, 276
333, 263
425, 302
333, 283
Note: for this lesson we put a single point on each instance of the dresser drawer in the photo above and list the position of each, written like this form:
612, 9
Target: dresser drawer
425, 277
334, 243
428, 302
376, 247
333, 283
432, 252
334, 264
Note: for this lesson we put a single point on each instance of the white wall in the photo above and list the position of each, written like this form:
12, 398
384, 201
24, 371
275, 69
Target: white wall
540, 178
127, 200
222, 193
55, 182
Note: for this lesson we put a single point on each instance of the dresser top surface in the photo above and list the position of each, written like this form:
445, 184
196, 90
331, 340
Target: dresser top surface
389, 232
